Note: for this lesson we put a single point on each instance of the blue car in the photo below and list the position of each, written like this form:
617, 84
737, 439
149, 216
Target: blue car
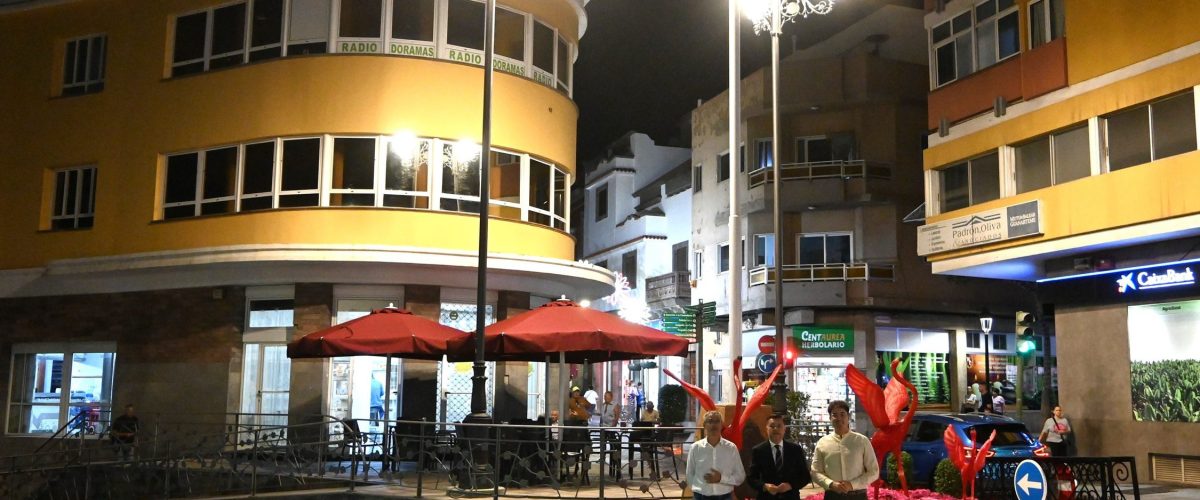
924, 441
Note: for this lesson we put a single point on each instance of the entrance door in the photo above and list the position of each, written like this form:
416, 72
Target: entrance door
266, 375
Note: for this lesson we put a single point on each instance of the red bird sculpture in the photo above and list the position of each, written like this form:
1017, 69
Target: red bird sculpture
883, 406
968, 462
733, 430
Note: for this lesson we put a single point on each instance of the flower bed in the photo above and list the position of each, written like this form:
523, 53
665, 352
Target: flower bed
888, 494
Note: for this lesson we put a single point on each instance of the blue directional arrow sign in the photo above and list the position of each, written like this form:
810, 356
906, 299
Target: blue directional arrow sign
765, 363
1030, 481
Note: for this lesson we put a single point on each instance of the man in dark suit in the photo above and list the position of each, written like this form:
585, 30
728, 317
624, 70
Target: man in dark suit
778, 469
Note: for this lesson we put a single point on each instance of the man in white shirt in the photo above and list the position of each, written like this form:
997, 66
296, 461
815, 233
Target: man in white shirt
843, 462
592, 398
714, 466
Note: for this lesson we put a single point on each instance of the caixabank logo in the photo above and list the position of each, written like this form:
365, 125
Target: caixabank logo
1148, 280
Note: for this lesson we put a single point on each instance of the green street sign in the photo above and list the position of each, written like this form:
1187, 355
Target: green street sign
709, 308
823, 338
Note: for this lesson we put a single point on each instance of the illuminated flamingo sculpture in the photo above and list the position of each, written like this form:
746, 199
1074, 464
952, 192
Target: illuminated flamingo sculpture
969, 461
883, 406
733, 430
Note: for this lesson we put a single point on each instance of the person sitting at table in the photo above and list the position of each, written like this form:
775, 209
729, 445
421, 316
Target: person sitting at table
650, 414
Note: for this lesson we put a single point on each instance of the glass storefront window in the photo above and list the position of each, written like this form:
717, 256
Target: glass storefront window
40, 377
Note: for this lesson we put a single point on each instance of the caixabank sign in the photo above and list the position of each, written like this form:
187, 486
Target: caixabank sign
1174, 279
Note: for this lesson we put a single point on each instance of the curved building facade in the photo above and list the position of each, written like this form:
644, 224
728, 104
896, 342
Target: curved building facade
192, 183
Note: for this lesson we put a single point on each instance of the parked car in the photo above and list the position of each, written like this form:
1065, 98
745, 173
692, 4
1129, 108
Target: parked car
924, 441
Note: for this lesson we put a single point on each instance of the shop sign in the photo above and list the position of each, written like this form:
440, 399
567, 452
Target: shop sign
410, 49
1150, 279
981, 228
824, 338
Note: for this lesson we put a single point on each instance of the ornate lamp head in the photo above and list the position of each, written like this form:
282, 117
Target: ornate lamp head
771, 15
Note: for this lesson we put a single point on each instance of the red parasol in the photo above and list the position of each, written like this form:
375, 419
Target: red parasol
579, 333
384, 332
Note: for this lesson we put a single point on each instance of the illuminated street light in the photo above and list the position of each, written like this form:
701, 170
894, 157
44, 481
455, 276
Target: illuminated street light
770, 16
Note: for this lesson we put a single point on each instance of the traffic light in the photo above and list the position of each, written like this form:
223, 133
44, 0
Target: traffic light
789, 357
1024, 323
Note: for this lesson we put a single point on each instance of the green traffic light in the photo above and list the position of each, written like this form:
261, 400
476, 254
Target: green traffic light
1026, 347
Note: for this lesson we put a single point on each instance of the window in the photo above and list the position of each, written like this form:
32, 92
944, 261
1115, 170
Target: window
1147, 133
510, 35
460, 177
543, 53
698, 264
1046, 22
997, 31
825, 248
360, 19
1052, 159
999, 342
764, 250
540, 188
300, 173
353, 172
504, 181
83, 66
217, 38
52, 384
406, 174
379, 171
602, 202
813, 149
742, 157
952, 49
266, 30
412, 20
765, 153
723, 167
974, 340
563, 69
930, 432
465, 24
970, 182
629, 267
74, 198
308, 27
723, 257
697, 178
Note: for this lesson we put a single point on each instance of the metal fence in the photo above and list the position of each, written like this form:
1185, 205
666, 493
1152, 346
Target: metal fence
1084, 477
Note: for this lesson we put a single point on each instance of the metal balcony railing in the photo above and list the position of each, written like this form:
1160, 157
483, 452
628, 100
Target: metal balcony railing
670, 286
844, 169
854, 271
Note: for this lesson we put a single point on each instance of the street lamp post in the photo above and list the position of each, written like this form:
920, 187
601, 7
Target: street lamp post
985, 324
479, 376
770, 16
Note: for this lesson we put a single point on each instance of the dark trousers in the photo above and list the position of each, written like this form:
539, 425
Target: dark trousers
697, 496
853, 495
1058, 449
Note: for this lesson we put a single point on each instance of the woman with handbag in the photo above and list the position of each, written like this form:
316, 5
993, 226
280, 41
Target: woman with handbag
1056, 432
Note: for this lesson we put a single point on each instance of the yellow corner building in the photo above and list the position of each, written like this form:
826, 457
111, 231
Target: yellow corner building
1063, 153
190, 184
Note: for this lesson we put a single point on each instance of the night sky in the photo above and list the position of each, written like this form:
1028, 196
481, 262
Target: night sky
644, 63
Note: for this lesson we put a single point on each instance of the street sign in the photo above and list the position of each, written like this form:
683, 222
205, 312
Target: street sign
766, 344
1030, 481
710, 311
765, 363
679, 323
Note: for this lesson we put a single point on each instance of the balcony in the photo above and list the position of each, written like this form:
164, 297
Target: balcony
811, 273
836, 169
669, 289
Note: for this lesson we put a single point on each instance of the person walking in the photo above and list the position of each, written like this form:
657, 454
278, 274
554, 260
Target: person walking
714, 466
1056, 433
778, 469
843, 461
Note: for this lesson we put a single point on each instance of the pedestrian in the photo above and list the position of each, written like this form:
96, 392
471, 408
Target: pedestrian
1056, 433
778, 469
649, 414
970, 403
714, 466
123, 433
998, 403
640, 393
593, 400
843, 461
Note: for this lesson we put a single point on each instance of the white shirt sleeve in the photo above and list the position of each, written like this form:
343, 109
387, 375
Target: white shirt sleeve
737, 472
